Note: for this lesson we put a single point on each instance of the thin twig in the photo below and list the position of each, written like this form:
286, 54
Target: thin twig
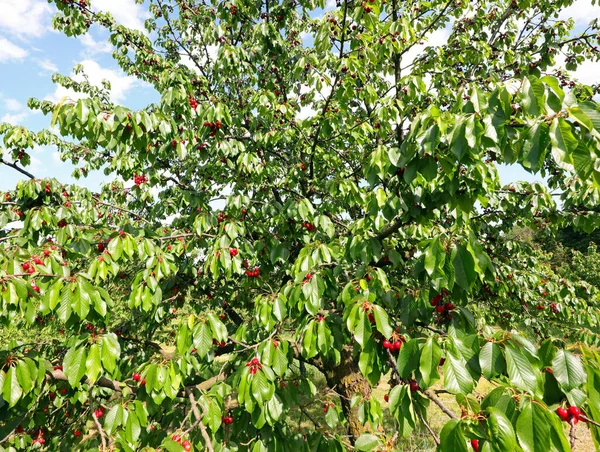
589, 421
431, 432
572, 434
135, 215
205, 435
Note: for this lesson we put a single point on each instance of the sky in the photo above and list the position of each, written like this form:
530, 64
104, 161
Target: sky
30, 52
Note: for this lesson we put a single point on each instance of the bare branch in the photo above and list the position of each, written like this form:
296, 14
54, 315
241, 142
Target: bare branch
18, 168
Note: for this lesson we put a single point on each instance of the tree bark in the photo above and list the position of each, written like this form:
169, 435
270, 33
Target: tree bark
347, 380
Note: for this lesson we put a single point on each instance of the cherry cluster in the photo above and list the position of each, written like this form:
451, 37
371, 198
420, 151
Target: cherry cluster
214, 127
572, 413
139, 179
233, 252
215, 342
193, 102
327, 405
187, 446
309, 226
254, 365
138, 378
440, 307
253, 273
394, 346
227, 419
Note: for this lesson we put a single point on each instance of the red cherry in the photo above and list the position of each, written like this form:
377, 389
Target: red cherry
414, 386
187, 446
137, 377
562, 413
25, 266
574, 411
176, 438
77, 433
397, 345
254, 361
143, 382
442, 361
386, 397
449, 306
440, 309
475, 445
387, 344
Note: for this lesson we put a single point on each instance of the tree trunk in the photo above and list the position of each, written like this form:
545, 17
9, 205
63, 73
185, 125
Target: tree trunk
348, 381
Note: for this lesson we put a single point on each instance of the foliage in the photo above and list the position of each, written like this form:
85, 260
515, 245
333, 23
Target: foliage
288, 207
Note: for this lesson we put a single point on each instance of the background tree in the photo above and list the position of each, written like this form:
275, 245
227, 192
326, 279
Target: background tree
300, 210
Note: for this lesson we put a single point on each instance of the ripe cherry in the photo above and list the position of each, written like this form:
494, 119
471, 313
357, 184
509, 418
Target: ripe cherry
562, 413
136, 377
574, 411
397, 345
414, 386
254, 361
187, 446
475, 445
176, 438
440, 309
387, 344
77, 433
386, 397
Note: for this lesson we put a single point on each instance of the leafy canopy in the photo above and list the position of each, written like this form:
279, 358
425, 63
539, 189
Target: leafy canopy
313, 207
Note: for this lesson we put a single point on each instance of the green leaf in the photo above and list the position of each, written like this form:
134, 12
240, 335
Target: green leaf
202, 338
24, 375
435, 256
382, 321
366, 442
132, 427
11, 390
429, 362
457, 379
502, 434
464, 267
408, 359
568, 370
114, 418
452, 438
564, 143
533, 429
491, 360
520, 370
74, 365
111, 350
93, 363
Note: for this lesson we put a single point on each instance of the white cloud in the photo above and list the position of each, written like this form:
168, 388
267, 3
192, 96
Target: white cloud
581, 11
120, 83
13, 105
14, 119
48, 65
25, 17
10, 51
125, 12
93, 47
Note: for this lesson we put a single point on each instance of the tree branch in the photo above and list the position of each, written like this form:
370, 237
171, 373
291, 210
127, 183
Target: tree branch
19, 169
431, 432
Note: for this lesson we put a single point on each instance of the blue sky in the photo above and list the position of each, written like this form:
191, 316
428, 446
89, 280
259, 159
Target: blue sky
30, 52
